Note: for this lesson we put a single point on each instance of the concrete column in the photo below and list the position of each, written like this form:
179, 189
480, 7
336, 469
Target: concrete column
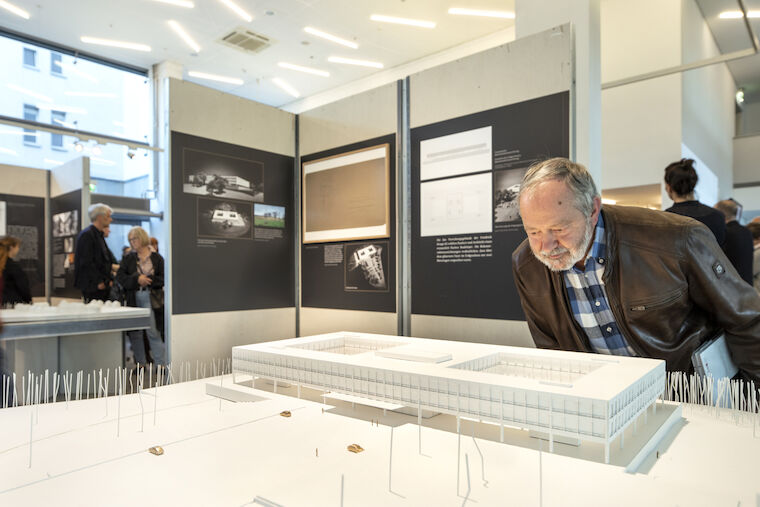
532, 16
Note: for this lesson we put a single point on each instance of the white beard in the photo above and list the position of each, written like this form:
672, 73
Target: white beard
569, 256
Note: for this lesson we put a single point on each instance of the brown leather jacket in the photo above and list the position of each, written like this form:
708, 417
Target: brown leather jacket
669, 285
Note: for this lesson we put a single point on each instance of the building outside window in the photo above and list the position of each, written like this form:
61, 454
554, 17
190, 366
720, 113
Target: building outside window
31, 113
57, 118
56, 67
30, 57
96, 97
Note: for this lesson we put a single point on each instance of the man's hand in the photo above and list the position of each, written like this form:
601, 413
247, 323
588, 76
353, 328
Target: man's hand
101, 286
144, 280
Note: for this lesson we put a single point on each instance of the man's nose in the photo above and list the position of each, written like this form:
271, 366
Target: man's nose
548, 242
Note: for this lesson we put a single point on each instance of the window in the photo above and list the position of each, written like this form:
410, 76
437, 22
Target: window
56, 66
30, 113
30, 57
57, 119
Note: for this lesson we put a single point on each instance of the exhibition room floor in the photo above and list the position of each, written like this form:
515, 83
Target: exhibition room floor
93, 452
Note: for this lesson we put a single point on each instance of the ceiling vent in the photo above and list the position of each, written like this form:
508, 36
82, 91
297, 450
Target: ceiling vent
246, 40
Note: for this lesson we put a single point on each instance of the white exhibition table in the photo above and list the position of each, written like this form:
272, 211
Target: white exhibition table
227, 453
70, 337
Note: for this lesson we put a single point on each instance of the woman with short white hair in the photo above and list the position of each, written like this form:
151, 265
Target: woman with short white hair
142, 272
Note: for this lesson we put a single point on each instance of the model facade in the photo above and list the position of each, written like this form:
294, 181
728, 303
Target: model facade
582, 396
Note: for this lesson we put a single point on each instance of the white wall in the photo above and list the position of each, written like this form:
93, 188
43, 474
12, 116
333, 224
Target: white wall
17, 180
641, 122
749, 120
708, 113
747, 159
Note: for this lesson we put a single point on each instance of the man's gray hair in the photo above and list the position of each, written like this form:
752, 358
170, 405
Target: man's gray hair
98, 209
577, 178
728, 207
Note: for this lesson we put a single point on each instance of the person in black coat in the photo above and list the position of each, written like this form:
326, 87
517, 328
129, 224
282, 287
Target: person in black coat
141, 272
15, 282
739, 247
92, 258
680, 180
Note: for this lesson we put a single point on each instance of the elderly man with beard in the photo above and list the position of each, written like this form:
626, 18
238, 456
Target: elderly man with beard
623, 280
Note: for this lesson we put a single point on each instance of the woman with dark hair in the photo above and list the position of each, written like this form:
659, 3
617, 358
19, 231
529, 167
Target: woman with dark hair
680, 180
15, 282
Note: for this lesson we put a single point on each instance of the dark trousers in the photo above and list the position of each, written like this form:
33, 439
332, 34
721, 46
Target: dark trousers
100, 295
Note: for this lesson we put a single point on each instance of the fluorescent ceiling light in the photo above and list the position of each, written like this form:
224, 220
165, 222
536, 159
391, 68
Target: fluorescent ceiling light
102, 95
285, 86
608, 201
486, 14
8, 151
18, 11
36, 95
237, 10
178, 3
51, 161
307, 70
118, 123
350, 61
184, 35
402, 21
738, 14
71, 67
115, 43
63, 109
214, 77
330, 37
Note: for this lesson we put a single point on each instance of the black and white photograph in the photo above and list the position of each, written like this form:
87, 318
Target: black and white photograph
366, 267
506, 187
222, 176
65, 224
68, 244
224, 219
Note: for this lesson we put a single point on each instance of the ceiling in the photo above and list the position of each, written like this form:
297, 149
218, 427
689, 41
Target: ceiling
282, 21
732, 35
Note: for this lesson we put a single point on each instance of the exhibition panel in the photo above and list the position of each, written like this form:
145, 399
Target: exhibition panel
232, 227
348, 255
477, 124
466, 176
23, 217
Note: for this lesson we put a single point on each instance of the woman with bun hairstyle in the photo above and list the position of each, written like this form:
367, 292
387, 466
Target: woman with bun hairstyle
680, 180
15, 282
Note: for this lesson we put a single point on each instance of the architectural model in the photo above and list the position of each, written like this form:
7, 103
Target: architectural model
587, 397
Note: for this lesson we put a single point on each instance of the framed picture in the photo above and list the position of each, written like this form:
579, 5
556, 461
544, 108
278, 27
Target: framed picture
347, 197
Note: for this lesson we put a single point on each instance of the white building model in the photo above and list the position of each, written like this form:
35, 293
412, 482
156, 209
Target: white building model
232, 218
588, 397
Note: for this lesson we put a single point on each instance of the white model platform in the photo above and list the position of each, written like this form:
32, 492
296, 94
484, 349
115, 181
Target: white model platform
227, 454
582, 396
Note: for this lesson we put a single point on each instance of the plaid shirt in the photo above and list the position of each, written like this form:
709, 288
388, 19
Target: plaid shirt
588, 300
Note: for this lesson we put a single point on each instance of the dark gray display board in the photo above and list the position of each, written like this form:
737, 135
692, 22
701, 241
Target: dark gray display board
232, 227
466, 174
25, 219
66, 217
353, 275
